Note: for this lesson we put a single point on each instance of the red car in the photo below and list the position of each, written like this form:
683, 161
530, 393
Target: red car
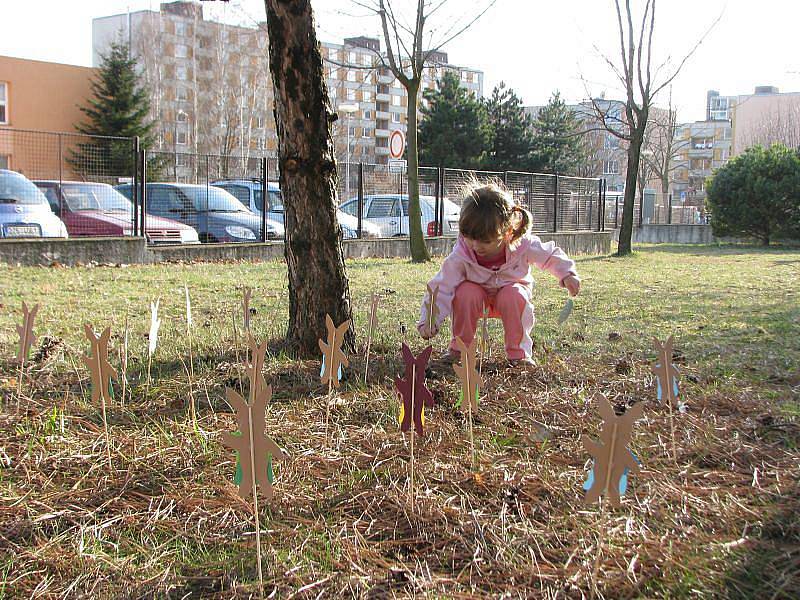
97, 209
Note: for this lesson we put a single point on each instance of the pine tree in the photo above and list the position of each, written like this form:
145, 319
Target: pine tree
454, 130
557, 145
119, 109
512, 131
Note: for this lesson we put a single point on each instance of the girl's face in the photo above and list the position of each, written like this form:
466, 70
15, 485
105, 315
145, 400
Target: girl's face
487, 249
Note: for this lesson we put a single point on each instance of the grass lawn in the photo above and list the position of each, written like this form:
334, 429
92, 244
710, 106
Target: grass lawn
165, 519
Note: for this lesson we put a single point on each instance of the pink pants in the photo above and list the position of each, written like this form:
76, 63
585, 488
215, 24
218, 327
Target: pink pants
511, 303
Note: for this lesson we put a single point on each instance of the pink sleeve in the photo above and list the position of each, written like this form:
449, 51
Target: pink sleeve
447, 279
549, 257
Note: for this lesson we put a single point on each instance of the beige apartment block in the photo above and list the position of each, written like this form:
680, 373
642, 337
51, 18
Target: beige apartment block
701, 147
212, 92
41, 96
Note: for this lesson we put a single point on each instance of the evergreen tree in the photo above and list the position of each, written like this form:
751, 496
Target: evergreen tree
557, 144
119, 108
454, 131
512, 131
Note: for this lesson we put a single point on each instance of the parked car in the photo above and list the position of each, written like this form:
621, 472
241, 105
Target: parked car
97, 209
24, 211
214, 213
248, 192
390, 213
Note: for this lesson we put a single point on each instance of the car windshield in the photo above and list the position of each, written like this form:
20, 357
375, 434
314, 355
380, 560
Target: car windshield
15, 189
275, 201
94, 196
212, 199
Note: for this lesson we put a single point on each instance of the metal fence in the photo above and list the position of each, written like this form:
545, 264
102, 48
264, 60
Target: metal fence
108, 186
76, 173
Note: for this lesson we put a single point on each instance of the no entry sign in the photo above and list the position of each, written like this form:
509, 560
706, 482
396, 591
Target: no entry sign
397, 143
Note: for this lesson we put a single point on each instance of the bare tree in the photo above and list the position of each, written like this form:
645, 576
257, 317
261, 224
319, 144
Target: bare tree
642, 82
317, 277
663, 148
409, 47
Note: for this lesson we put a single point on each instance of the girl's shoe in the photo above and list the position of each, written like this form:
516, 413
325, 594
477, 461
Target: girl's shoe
526, 361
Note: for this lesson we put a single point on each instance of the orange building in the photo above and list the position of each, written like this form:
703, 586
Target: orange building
42, 97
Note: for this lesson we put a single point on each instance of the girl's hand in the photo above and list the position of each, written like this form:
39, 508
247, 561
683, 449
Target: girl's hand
573, 285
427, 333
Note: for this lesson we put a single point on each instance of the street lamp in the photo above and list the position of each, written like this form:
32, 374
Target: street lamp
348, 109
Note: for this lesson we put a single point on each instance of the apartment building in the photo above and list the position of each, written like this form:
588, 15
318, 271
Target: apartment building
701, 147
40, 96
212, 91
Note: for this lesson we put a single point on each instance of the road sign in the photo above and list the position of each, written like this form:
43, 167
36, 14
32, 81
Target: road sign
397, 143
397, 166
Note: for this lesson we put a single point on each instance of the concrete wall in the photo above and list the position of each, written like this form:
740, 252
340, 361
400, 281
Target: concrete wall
133, 250
681, 234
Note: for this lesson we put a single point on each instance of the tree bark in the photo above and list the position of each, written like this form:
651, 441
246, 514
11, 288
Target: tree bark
317, 278
419, 251
626, 229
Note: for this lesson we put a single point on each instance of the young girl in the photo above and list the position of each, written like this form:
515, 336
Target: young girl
490, 266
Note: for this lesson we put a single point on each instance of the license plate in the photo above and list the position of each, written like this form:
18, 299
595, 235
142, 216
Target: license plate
23, 231
453, 224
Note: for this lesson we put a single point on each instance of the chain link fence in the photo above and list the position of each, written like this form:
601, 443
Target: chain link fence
109, 187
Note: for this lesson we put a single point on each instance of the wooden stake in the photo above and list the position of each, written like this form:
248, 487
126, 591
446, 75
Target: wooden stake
370, 329
413, 434
484, 338
255, 493
125, 359
19, 380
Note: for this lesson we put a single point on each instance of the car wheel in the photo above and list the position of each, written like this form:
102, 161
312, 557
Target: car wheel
207, 238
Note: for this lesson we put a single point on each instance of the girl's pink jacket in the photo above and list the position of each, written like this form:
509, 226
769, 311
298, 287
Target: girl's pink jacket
462, 265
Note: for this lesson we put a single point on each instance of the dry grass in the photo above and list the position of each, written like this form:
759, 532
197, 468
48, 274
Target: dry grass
165, 520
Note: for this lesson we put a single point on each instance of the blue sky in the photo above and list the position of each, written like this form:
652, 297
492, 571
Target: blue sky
536, 47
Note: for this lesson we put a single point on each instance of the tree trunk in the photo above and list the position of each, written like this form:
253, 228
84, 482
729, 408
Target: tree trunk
317, 278
626, 229
665, 194
419, 251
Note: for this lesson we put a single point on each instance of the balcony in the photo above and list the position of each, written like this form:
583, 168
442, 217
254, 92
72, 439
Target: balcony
381, 133
383, 115
701, 152
381, 150
381, 97
388, 79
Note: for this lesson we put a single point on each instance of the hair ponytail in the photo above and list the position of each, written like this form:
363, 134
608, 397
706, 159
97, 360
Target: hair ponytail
522, 222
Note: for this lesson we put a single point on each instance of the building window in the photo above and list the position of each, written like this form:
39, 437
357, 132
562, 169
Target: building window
611, 142
182, 117
351, 58
366, 96
368, 114
3, 102
366, 60
610, 167
366, 132
351, 131
180, 159
260, 122
180, 29
351, 75
351, 94
180, 72
395, 117
332, 93
180, 138
464, 76
181, 51
334, 73
3, 161
180, 94
396, 101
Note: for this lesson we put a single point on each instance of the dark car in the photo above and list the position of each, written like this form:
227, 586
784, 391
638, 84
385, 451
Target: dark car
97, 209
214, 213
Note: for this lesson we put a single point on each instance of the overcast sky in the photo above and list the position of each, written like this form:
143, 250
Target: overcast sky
535, 46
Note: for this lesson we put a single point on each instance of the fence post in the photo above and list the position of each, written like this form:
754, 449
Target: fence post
555, 205
440, 188
529, 193
641, 208
603, 201
599, 206
669, 210
264, 198
143, 194
135, 185
616, 212
360, 232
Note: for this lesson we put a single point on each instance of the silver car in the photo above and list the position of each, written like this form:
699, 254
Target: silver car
24, 210
390, 213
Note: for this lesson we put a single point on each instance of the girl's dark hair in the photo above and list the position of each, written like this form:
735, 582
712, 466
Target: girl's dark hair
488, 211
